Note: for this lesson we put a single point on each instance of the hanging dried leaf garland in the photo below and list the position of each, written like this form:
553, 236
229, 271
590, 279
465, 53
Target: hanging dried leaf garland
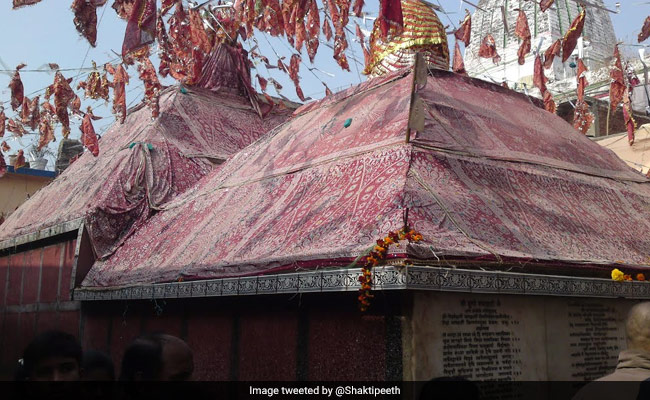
552, 51
539, 80
63, 96
645, 30
630, 123
30, 112
88, 135
15, 127
571, 36
458, 65
85, 18
141, 27
582, 117
120, 80
298, 15
152, 86
123, 8
294, 69
46, 132
327, 29
617, 86
358, 8
390, 17
488, 49
17, 89
96, 85
313, 30
3, 119
21, 3
364, 48
464, 31
522, 30
340, 20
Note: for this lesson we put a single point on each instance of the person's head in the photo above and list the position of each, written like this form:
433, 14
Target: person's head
637, 327
157, 357
97, 366
52, 356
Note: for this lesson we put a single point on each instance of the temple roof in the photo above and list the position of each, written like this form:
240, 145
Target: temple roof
144, 163
489, 177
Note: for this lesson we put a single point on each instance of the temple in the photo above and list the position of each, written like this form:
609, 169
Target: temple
514, 219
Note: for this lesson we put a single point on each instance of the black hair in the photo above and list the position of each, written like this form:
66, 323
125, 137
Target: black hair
50, 344
143, 359
96, 360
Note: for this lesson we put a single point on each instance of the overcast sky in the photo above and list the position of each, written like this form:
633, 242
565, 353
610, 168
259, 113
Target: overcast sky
45, 33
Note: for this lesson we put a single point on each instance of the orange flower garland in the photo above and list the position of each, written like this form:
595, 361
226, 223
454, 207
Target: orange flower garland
620, 276
377, 254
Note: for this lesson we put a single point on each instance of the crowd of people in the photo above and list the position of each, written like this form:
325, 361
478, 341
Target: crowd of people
58, 356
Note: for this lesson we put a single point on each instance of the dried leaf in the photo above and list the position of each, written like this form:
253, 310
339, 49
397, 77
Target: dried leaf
458, 65
488, 49
645, 30
17, 90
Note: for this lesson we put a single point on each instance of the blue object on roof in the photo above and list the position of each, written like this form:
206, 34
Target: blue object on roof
31, 172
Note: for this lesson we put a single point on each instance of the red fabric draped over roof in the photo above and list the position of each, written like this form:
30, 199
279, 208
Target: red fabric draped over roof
313, 193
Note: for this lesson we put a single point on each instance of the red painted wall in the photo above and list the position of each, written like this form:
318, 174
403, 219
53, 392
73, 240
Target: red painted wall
281, 337
35, 297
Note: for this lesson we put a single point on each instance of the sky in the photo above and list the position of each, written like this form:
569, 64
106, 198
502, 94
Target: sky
45, 33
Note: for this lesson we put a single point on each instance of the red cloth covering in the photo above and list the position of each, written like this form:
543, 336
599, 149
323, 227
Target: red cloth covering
141, 28
46, 132
545, 4
152, 86
492, 173
30, 112
17, 89
63, 96
645, 30
539, 80
464, 31
85, 18
358, 8
22, 3
522, 30
551, 53
571, 36
118, 190
15, 127
488, 49
458, 65
582, 117
630, 123
120, 80
96, 86
390, 16
3, 119
88, 135
617, 85
313, 30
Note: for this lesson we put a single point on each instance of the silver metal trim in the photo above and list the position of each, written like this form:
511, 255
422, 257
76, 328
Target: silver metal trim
384, 278
55, 230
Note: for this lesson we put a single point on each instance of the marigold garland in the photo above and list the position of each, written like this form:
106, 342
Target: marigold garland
377, 254
620, 276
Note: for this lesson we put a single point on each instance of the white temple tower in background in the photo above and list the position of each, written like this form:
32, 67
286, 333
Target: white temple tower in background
598, 40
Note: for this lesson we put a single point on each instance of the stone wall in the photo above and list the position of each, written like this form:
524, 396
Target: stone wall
510, 337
